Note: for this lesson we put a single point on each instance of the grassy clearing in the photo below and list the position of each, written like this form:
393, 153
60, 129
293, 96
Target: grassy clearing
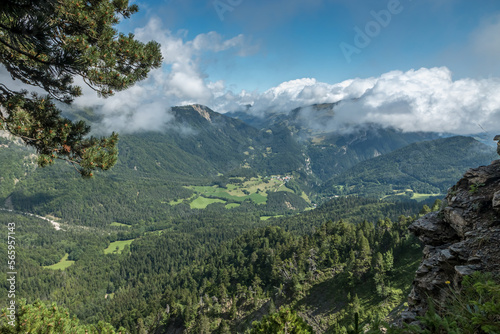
202, 202
225, 195
305, 197
258, 198
419, 197
254, 189
61, 265
215, 191
180, 200
232, 205
283, 187
395, 193
422, 197
119, 224
259, 184
318, 140
117, 246
269, 217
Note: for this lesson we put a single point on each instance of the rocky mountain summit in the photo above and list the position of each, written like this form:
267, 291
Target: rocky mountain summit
463, 237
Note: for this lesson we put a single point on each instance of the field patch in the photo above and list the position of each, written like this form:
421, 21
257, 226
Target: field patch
254, 189
269, 217
202, 202
258, 198
61, 265
255, 185
117, 246
422, 197
232, 205
180, 200
119, 224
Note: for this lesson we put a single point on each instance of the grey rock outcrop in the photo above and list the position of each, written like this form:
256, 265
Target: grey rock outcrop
463, 237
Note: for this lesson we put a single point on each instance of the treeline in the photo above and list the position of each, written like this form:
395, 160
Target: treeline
137, 202
15, 164
353, 209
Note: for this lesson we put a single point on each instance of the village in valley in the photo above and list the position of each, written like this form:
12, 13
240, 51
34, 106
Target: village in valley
282, 178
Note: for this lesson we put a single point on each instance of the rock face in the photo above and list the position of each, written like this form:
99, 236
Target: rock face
463, 237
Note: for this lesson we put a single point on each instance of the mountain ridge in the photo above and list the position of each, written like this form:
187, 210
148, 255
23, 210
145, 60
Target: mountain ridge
423, 167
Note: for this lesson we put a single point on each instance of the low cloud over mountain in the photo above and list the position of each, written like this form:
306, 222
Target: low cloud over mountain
426, 99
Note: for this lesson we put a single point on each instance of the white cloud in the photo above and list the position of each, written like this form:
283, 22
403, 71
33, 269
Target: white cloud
180, 80
427, 99
214, 42
416, 100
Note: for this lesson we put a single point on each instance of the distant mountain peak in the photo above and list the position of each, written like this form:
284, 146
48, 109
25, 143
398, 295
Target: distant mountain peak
195, 112
202, 110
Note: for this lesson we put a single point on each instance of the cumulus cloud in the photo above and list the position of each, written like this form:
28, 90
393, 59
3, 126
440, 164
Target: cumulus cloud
416, 100
180, 81
427, 99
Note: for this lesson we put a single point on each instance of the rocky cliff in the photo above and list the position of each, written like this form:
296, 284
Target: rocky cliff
463, 237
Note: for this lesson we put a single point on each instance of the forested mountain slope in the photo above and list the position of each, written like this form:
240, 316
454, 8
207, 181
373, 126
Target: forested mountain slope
429, 167
201, 272
333, 148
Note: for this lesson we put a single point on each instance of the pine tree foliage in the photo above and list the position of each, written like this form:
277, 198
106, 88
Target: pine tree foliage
47, 43
284, 321
46, 319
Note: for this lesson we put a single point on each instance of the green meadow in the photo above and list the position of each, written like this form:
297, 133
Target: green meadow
61, 265
117, 246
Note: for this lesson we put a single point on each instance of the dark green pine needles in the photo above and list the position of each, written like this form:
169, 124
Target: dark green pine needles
46, 43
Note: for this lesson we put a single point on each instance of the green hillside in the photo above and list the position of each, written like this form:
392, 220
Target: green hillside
332, 150
429, 167
333, 153
16, 163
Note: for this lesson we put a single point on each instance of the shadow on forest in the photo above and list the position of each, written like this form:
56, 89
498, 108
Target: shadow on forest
25, 203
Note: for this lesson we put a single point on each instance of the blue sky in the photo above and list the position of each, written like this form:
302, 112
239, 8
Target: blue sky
417, 65
295, 39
